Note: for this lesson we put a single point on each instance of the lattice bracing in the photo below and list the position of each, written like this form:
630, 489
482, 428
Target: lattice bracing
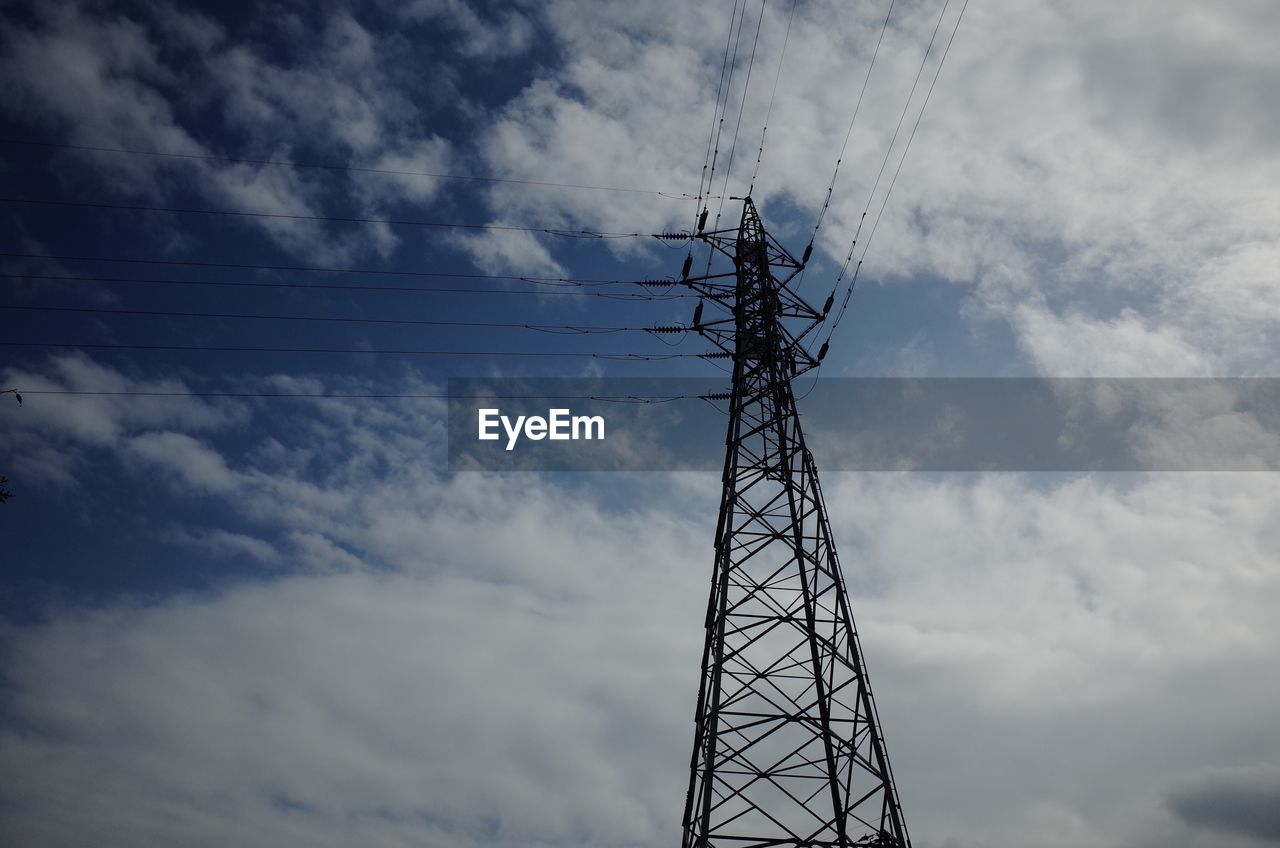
787, 747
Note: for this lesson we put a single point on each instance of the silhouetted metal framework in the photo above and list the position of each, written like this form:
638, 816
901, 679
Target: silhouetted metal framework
787, 746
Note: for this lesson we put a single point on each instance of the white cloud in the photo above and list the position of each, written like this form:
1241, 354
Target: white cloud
511, 660
506, 36
1073, 160
509, 252
52, 435
1076, 345
224, 543
100, 80
505, 659
193, 464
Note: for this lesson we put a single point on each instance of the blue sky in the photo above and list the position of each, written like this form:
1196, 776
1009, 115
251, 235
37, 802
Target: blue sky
268, 622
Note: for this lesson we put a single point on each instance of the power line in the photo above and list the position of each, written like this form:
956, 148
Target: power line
314, 268
786, 38
620, 357
723, 112
582, 329
893, 140
826, 203
742, 104
396, 222
906, 149
633, 296
711, 133
724, 107
334, 167
354, 395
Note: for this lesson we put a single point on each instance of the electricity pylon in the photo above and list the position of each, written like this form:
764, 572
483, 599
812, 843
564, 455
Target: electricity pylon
787, 746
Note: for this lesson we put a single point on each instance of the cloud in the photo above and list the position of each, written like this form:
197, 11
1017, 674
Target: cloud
511, 660
193, 464
1074, 166
450, 684
53, 436
1074, 171
224, 543
505, 35
326, 91
509, 252
1076, 345
487, 659
268, 714
1241, 801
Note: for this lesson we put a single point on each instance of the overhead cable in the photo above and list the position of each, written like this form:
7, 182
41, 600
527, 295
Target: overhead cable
786, 38
875, 225
583, 329
399, 222
573, 291
335, 167
619, 357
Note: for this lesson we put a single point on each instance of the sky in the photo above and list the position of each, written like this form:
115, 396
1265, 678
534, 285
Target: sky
235, 619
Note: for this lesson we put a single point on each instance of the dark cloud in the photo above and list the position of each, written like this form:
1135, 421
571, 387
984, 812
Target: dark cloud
1245, 802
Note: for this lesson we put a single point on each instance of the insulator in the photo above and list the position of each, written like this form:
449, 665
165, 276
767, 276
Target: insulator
662, 284
808, 251
688, 263
831, 299
666, 328
715, 396
702, 219
672, 236
822, 351
718, 354
697, 314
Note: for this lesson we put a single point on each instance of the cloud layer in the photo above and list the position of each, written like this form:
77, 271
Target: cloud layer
510, 660
389, 655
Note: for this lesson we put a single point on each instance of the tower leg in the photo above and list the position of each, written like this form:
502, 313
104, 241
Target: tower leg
787, 743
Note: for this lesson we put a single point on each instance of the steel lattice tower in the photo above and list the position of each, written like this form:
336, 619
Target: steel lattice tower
787, 745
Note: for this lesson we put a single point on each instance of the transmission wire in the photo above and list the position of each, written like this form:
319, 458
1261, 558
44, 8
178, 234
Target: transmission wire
633, 296
769, 111
711, 132
742, 104
562, 329
333, 167
937, 72
619, 357
396, 272
857, 106
349, 395
737, 41
84, 204
724, 111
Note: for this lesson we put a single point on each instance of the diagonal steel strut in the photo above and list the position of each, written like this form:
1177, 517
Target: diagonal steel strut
780, 644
